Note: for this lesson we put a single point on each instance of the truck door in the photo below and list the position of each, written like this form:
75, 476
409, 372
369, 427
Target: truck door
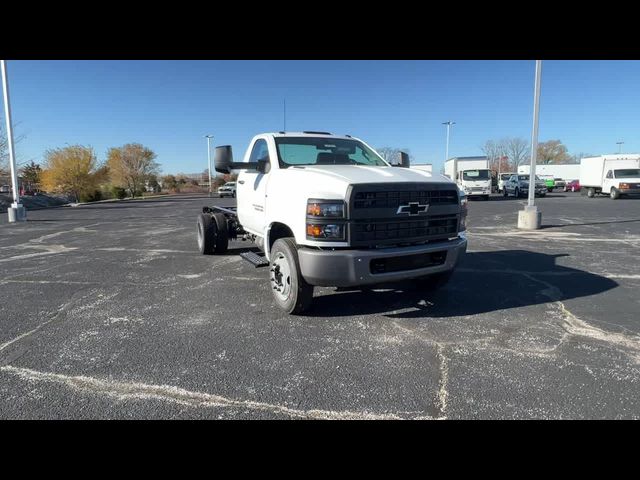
251, 191
608, 182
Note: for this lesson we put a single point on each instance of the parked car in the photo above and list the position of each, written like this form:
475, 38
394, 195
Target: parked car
518, 185
504, 178
228, 190
5, 189
559, 183
548, 180
573, 186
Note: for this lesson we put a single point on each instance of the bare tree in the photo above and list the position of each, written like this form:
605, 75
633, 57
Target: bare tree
496, 151
4, 151
517, 149
392, 154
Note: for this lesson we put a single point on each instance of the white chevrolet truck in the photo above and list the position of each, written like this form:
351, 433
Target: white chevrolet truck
327, 210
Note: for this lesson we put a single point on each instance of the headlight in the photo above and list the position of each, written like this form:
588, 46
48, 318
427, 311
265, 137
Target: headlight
325, 232
624, 185
325, 209
463, 213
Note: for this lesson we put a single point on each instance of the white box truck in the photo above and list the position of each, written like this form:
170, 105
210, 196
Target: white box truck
472, 174
612, 175
566, 172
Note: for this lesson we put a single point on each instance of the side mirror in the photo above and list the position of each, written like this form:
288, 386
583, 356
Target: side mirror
223, 159
263, 166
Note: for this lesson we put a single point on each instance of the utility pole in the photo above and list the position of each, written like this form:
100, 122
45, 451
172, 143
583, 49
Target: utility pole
448, 124
16, 212
530, 218
209, 137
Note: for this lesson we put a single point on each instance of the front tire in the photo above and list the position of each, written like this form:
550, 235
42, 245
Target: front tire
516, 193
233, 195
290, 290
614, 194
505, 193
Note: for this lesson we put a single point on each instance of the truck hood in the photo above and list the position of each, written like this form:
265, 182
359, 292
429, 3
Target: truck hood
353, 174
332, 181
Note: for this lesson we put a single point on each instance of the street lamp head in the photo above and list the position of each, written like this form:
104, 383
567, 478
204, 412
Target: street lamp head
208, 136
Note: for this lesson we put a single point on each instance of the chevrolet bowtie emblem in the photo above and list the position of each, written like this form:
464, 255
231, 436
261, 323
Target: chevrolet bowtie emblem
412, 208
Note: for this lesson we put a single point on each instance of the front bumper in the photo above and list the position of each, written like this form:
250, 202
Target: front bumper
348, 268
629, 191
539, 191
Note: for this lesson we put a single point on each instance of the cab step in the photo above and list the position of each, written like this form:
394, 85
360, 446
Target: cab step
256, 259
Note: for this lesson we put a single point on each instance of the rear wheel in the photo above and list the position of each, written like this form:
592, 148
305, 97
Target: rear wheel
615, 193
591, 192
222, 233
233, 194
207, 230
290, 290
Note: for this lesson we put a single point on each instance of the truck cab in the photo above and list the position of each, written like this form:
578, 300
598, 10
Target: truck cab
327, 210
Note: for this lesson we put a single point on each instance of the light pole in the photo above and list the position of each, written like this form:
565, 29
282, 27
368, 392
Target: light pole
16, 212
530, 218
209, 137
448, 124
619, 146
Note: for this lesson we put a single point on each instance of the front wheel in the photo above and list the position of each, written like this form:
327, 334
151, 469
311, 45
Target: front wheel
290, 290
614, 194
504, 193
233, 195
516, 193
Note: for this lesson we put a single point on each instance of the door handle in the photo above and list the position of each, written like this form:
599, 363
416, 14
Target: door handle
241, 182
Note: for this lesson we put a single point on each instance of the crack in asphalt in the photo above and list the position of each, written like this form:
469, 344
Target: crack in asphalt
143, 391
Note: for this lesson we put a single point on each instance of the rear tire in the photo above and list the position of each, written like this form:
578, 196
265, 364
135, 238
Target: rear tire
233, 195
207, 230
591, 192
290, 290
614, 194
222, 233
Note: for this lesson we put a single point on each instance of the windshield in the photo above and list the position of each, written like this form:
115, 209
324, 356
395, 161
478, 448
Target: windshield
505, 176
230, 184
325, 151
475, 175
627, 173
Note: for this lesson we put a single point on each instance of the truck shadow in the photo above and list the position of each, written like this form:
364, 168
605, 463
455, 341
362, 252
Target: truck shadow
484, 282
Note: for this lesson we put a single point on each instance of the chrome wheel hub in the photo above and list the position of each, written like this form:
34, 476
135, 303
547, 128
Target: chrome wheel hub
280, 276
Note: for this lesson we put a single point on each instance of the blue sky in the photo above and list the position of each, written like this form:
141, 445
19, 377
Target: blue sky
169, 105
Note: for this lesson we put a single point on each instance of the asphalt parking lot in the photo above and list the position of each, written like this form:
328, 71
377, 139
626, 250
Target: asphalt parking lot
108, 311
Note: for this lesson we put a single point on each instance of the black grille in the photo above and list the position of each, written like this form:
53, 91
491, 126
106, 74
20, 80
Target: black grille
435, 226
407, 262
394, 199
